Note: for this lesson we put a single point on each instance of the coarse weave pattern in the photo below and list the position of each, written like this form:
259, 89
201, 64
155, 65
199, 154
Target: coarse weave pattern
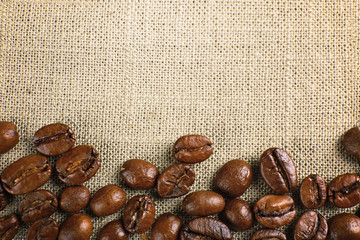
131, 77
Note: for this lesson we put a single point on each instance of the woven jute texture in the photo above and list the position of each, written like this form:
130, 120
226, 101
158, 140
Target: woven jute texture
130, 77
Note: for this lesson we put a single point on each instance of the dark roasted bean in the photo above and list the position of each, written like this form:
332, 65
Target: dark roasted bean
313, 191
192, 149
78, 226
43, 229
9, 136
268, 234
73, 199
9, 226
203, 203
344, 190
107, 200
238, 215
351, 142
311, 226
166, 227
114, 230
345, 226
3, 198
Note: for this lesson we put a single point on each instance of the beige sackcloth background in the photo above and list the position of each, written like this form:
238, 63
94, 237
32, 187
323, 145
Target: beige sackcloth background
130, 77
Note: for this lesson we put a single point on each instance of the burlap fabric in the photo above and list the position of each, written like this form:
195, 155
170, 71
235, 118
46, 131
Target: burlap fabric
131, 77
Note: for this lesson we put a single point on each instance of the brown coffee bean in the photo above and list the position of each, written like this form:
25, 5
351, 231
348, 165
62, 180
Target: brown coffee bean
43, 229
3, 198
78, 165
351, 142
203, 203
175, 181
108, 200
73, 199
274, 211
278, 170
114, 230
311, 226
166, 227
9, 136
238, 215
268, 234
206, 228
139, 174
344, 226
78, 226
139, 214
233, 178
26, 174
9, 226
54, 139
192, 149
36, 205
344, 190
313, 191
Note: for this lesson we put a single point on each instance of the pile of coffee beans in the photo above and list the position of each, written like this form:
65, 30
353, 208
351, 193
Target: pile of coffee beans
78, 164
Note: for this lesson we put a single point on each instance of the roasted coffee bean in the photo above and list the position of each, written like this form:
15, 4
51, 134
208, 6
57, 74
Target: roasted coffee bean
192, 149
108, 200
26, 174
43, 229
139, 214
114, 230
311, 226
233, 178
238, 215
36, 205
73, 199
175, 181
54, 139
205, 228
9, 226
313, 191
139, 174
344, 190
203, 203
351, 142
268, 234
278, 170
166, 227
78, 165
9, 136
3, 198
345, 226
78, 226
274, 211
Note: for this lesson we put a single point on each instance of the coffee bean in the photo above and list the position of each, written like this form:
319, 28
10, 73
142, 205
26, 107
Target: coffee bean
139, 174
78, 165
54, 139
268, 234
238, 215
311, 225
313, 191
43, 229
205, 228
9, 226
139, 214
73, 199
344, 226
192, 149
203, 203
274, 211
36, 205
78, 226
166, 227
344, 190
9, 136
175, 181
233, 178
108, 200
26, 174
351, 142
3, 198
278, 170
114, 230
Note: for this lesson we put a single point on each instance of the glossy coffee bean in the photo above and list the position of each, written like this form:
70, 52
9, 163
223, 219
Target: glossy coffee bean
274, 211
139, 214
26, 174
3, 198
278, 170
36, 205
54, 139
238, 215
43, 229
166, 227
77, 226
344, 190
233, 178
351, 142
114, 230
203, 203
205, 228
139, 174
192, 149
175, 181
73, 199
344, 226
313, 191
78, 165
310, 226
9, 136
108, 200
268, 234
9, 227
